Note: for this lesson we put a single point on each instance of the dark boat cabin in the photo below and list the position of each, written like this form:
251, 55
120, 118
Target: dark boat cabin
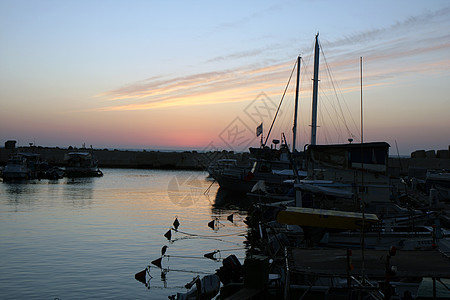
370, 157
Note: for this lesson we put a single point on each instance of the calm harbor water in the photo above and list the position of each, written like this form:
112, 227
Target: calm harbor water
86, 238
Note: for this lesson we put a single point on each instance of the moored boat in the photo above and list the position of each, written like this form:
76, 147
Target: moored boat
81, 164
221, 164
16, 168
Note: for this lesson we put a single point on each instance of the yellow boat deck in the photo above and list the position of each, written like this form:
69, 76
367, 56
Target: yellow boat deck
325, 218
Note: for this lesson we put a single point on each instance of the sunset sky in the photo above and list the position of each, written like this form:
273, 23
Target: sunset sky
202, 75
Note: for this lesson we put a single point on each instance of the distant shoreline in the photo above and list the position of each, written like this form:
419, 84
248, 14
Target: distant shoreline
143, 159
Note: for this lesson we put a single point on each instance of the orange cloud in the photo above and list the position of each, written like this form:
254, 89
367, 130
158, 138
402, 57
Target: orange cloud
383, 51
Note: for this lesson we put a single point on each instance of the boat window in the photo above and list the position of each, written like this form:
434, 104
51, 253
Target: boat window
368, 156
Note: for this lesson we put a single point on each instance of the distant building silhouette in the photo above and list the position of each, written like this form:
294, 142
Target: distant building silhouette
10, 144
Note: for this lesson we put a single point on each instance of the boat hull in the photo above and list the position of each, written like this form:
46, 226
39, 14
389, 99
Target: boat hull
82, 172
15, 172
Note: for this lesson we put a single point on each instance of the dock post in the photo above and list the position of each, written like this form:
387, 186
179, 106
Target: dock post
349, 267
389, 273
433, 235
287, 278
434, 287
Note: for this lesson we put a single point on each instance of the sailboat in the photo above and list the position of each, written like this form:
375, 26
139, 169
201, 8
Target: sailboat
333, 170
347, 179
334, 185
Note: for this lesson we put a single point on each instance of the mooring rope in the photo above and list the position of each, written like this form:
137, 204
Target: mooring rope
211, 236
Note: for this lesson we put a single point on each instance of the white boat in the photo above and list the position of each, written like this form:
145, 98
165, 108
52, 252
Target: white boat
269, 165
16, 168
221, 164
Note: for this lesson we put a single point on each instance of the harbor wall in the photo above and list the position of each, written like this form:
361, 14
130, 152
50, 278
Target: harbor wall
418, 163
186, 160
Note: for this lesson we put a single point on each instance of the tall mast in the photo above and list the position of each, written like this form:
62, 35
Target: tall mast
294, 130
315, 90
362, 171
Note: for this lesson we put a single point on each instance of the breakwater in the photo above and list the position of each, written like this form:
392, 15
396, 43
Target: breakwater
185, 160
419, 161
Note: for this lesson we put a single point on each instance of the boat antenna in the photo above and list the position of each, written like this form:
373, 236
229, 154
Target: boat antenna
315, 91
294, 129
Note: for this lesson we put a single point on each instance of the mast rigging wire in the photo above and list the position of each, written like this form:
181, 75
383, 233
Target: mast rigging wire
341, 115
279, 105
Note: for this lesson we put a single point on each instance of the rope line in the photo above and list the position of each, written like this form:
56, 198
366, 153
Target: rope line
211, 236
335, 90
279, 105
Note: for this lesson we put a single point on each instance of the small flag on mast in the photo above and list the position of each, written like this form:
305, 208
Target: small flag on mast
259, 130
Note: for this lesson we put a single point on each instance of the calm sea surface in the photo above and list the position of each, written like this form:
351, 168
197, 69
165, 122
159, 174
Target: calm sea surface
86, 238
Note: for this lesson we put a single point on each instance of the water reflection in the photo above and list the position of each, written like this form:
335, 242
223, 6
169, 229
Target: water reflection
80, 180
20, 194
164, 277
79, 192
187, 188
114, 224
19, 187
226, 199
